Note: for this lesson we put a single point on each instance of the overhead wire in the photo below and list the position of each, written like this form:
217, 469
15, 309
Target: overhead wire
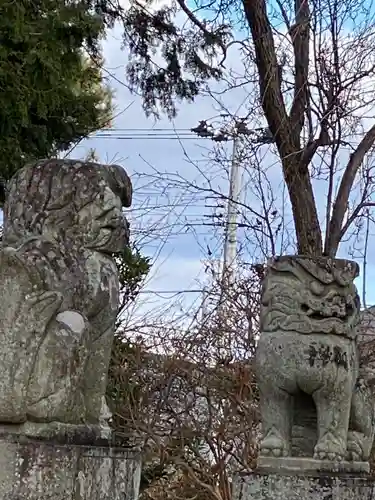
161, 134
177, 134
150, 129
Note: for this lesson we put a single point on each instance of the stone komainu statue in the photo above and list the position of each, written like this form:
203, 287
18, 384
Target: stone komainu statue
316, 390
59, 292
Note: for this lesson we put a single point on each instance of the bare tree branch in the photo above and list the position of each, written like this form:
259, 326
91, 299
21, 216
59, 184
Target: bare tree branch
300, 34
202, 27
309, 236
341, 202
266, 61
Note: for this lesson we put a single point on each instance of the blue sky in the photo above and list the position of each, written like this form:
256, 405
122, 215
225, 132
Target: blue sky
178, 257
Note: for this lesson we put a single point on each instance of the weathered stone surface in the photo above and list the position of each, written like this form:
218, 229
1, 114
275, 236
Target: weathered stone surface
59, 433
361, 423
43, 470
308, 466
59, 289
307, 358
306, 295
317, 487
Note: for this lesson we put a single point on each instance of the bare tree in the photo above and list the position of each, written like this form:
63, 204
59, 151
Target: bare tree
309, 69
186, 387
327, 95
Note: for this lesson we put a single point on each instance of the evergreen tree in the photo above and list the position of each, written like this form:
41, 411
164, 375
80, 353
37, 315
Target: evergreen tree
52, 92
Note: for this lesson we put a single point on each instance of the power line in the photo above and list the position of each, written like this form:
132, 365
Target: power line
159, 292
150, 129
172, 130
144, 138
129, 136
143, 134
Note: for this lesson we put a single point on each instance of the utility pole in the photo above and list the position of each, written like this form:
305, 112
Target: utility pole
260, 136
230, 242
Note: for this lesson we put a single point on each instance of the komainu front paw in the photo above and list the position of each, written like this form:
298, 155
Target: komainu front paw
355, 448
274, 446
331, 448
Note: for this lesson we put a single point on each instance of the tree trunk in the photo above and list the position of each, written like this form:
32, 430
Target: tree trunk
306, 222
285, 130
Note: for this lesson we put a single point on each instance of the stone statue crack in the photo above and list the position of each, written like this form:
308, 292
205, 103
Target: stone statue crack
63, 223
309, 367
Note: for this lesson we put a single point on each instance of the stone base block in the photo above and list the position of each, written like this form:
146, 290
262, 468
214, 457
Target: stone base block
44, 469
298, 466
313, 486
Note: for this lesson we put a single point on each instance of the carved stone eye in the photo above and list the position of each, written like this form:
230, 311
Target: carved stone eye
316, 288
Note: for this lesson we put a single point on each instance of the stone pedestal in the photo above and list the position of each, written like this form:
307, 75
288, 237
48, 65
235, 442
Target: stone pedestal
314, 480
65, 465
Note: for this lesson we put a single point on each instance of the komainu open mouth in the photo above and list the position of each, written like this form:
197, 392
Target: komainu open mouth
341, 313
